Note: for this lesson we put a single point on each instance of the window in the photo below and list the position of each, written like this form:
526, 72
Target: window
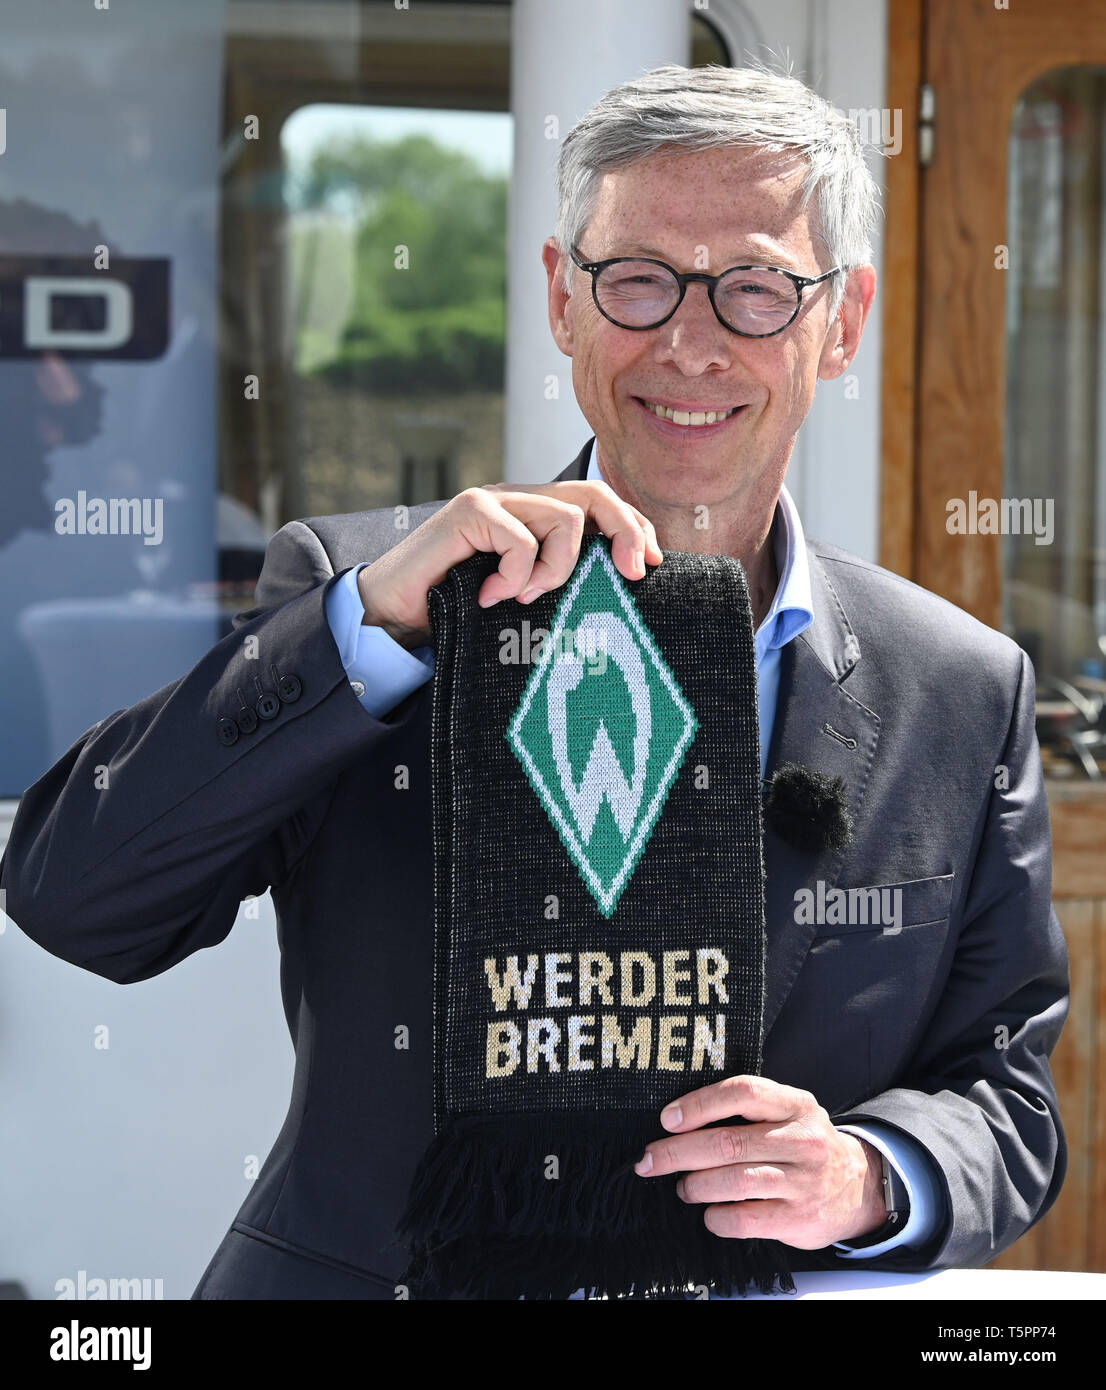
1054, 552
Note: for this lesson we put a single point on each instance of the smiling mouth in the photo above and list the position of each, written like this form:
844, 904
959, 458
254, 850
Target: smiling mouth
693, 419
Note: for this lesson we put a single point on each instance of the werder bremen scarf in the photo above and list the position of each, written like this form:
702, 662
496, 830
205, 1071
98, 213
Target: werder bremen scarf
599, 926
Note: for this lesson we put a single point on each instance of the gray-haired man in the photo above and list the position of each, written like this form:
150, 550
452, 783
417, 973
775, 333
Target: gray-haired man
711, 264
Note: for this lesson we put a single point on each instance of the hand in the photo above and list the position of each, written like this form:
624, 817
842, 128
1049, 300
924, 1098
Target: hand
536, 529
814, 1184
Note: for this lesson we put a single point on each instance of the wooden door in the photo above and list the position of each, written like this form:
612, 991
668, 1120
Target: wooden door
958, 70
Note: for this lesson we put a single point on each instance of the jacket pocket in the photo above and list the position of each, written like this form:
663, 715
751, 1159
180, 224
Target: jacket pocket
884, 907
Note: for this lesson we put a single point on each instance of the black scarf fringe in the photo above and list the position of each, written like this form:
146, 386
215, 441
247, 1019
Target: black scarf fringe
484, 1222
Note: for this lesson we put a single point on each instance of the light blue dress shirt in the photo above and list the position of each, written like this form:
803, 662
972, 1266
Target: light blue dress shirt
383, 673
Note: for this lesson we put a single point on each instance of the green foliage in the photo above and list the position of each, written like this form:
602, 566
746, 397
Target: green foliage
439, 323
455, 348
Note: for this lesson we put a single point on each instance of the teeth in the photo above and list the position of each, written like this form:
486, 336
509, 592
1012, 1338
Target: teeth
692, 417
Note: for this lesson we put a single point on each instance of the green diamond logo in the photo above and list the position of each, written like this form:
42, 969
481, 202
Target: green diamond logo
602, 728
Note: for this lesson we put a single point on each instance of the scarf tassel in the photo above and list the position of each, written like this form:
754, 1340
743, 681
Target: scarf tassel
538, 1206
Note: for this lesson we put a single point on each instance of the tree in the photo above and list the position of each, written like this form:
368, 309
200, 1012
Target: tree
439, 323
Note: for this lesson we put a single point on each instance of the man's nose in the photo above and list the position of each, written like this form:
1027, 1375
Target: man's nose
694, 338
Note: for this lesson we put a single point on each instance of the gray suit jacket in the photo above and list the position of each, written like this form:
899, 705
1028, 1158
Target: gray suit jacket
942, 1029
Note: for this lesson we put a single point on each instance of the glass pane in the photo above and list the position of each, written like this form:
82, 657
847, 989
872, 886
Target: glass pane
1054, 509
396, 242
204, 331
109, 515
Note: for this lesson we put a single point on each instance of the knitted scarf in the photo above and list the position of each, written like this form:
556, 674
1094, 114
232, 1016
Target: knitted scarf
599, 926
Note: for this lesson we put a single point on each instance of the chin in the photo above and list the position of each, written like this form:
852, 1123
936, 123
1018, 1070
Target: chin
689, 483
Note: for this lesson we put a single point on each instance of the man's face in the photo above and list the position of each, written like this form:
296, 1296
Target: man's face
705, 210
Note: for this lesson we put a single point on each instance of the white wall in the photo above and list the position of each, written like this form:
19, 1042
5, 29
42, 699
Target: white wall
129, 1161
563, 58
839, 49
835, 472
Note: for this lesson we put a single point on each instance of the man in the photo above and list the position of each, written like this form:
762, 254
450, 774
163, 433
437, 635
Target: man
296, 754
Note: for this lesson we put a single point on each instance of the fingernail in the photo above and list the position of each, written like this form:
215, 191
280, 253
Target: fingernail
486, 602
672, 1117
639, 560
644, 1165
528, 595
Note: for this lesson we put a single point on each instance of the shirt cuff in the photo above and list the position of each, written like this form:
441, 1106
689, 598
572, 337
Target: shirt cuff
381, 672
913, 1166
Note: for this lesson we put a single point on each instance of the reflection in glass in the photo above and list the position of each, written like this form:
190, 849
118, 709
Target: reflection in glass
1054, 562
396, 289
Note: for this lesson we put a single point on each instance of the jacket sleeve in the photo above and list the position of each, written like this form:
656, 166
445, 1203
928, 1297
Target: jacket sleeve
980, 1096
136, 848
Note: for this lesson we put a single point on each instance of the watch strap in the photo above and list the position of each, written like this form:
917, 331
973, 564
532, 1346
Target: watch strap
897, 1204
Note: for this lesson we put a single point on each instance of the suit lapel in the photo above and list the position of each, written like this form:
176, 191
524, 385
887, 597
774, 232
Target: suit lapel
577, 470
811, 703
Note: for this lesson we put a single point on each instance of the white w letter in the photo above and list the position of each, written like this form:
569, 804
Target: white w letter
603, 775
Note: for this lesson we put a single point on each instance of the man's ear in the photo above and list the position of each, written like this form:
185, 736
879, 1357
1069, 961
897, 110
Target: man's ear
560, 300
843, 336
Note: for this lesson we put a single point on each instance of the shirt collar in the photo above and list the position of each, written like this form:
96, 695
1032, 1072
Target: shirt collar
792, 607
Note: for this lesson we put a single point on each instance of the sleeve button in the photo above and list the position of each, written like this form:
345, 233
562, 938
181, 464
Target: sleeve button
358, 688
246, 720
290, 688
228, 732
268, 707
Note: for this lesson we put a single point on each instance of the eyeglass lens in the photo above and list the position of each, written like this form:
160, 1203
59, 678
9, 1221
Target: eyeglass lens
638, 294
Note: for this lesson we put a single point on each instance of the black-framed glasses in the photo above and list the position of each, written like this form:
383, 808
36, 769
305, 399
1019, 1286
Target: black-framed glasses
755, 301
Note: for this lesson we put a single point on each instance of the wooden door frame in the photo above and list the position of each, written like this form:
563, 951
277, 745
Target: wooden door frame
899, 291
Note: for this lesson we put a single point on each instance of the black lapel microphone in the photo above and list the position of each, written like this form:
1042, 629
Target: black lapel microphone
808, 809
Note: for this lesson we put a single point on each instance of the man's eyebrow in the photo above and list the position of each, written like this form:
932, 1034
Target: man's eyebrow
749, 258
639, 249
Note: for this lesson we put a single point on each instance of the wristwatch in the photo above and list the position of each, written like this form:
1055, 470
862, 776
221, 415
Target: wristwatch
898, 1207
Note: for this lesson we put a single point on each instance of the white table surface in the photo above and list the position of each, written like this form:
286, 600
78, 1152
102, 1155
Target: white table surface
1017, 1285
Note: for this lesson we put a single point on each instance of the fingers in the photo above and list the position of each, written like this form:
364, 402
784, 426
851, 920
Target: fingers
537, 531
751, 1097
633, 539
719, 1146
770, 1219
788, 1175
515, 544
737, 1183
538, 544
653, 553
559, 527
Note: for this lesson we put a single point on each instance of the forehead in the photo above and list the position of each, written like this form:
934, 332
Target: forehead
732, 200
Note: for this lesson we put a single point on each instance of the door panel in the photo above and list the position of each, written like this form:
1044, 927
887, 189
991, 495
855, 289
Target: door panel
1006, 337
